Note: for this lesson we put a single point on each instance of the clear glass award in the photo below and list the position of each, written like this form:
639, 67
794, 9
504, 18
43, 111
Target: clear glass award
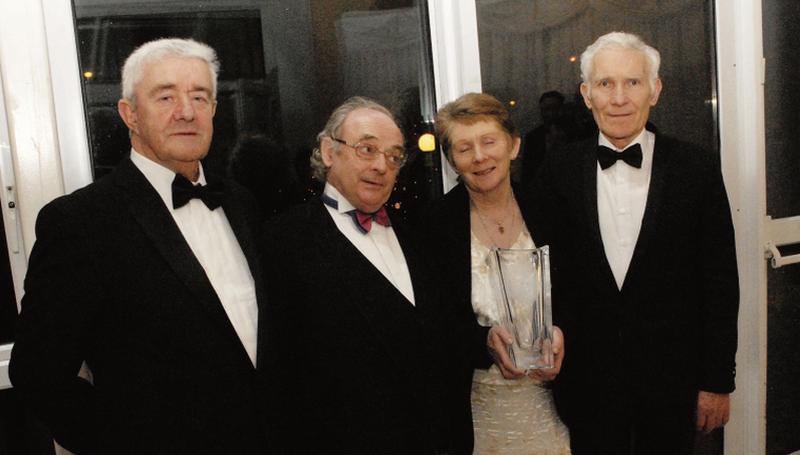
522, 282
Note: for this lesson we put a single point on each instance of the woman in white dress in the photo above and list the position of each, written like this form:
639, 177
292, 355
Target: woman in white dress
512, 412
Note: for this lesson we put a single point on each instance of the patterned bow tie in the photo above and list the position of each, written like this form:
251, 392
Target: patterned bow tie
183, 191
362, 220
608, 157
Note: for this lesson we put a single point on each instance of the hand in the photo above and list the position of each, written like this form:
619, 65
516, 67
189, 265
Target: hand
558, 357
497, 341
713, 410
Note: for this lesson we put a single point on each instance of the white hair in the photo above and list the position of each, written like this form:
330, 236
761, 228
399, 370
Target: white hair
166, 47
620, 40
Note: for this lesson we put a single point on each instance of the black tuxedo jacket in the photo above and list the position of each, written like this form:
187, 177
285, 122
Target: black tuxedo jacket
112, 282
671, 330
445, 229
355, 366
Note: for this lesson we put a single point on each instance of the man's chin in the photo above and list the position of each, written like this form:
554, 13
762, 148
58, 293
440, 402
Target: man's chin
189, 154
372, 205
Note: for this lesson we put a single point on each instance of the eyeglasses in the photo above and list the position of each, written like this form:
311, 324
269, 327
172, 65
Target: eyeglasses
395, 157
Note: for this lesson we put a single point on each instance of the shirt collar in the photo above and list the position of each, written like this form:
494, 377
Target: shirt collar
344, 205
159, 176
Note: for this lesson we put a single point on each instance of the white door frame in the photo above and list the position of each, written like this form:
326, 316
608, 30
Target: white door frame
29, 143
741, 106
456, 58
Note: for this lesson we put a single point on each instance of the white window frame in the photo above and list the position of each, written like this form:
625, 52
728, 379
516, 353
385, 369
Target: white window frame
456, 58
70, 117
13, 228
740, 73
28, 140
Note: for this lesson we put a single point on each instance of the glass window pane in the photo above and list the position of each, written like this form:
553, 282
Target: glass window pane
781, 20
529, 48
285, 66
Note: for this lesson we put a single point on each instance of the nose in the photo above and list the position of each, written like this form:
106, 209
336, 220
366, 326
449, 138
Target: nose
184, 110
478, 153
619, 97
379, 163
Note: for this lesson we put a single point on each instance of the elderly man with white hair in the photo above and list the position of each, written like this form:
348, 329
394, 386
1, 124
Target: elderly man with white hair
645, 283
149, 276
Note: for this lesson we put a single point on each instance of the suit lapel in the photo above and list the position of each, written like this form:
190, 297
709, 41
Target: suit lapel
339, 239
383, 315
656, 195
148, 209
597, 252
415, 268
238, 217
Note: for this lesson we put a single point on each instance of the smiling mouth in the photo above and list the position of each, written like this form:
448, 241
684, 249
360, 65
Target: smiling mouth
484, 172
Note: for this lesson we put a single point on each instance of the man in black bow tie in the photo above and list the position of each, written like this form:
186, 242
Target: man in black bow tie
149, 276
645, 283
353, 323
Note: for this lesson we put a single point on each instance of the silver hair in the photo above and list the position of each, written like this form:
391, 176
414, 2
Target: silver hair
334, 126
151, 51
620, 40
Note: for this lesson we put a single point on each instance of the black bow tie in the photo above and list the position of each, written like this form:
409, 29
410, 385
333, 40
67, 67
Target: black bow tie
183, 191
608, 157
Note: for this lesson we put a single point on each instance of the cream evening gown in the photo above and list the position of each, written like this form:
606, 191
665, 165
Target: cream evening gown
511, 417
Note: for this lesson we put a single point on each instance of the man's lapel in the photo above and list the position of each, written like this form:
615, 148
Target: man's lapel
379, 302
148, 209
656, 194
597, 252
241, 219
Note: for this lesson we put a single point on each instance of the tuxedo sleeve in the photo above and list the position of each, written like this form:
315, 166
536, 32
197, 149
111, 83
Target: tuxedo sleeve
282, 384
445, 243
720, 287
53, 329
542, 203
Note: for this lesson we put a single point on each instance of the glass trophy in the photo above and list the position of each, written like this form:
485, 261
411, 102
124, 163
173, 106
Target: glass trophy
522, 282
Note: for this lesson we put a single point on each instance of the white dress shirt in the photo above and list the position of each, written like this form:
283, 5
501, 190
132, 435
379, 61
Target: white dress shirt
214, 244
380, 245
621, 197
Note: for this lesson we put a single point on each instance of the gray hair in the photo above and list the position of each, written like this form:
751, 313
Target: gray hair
333, 128
166, 47
620, 40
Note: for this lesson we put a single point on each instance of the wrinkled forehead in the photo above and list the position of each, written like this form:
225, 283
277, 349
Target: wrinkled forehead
370, 124
619, 62
172, 70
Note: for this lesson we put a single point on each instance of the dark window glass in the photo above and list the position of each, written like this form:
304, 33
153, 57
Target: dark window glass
8, 301
285, 66
781, 20
532, 48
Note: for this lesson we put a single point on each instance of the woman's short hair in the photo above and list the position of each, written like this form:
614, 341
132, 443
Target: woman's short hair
152, 51
468, 110
620, 40
334, 126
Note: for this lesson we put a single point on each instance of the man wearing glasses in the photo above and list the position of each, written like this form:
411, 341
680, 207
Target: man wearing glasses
352, 320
